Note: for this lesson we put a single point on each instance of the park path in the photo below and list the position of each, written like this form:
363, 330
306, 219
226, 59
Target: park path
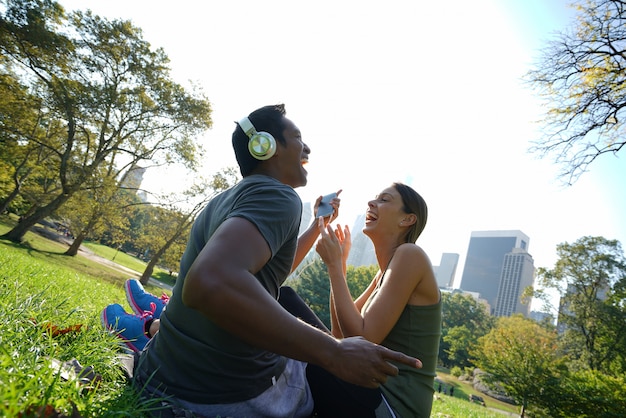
87, 253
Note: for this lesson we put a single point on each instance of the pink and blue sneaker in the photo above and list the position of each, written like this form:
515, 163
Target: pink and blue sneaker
141, 301
131, 329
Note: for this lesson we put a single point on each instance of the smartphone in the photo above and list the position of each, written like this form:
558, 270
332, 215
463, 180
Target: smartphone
325, 208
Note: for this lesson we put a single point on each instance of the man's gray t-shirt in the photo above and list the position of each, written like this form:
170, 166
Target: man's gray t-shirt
190, 357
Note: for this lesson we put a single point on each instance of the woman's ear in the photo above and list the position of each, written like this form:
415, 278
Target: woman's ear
409, 219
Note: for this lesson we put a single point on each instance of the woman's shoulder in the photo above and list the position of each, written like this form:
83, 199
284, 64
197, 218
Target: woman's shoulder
410, 251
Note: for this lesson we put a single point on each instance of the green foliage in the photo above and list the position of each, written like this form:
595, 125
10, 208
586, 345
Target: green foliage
464, 321
97, 208
590, 275
521, 356
313, 286
24, 161
459, 341
456, 371
590, 394
359, 278
165, 236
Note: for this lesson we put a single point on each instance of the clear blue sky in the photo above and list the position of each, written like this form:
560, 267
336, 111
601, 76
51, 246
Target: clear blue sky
428, 93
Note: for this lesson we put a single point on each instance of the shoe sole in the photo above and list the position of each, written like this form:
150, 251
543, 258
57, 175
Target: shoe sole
129, 298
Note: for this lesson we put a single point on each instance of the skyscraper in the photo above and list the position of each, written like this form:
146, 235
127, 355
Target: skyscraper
446, 269
133, 177
362, 252
485, 261
518, 272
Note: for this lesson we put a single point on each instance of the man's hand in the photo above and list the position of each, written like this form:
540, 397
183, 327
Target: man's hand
335, 203
367, 364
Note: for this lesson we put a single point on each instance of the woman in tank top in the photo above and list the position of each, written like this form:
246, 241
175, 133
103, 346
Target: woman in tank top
401, 308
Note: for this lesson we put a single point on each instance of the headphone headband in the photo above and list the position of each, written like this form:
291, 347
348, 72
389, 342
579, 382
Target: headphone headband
247, 127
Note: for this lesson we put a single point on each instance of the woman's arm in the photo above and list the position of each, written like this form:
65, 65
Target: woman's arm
345, 239
402, 277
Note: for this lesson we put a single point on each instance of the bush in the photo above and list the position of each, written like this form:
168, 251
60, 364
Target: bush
456, 371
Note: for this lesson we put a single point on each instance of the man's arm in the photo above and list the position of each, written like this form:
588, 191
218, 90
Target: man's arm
221, 284
305, 242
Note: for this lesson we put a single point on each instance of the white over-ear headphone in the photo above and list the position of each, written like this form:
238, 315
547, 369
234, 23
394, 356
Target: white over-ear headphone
261, 145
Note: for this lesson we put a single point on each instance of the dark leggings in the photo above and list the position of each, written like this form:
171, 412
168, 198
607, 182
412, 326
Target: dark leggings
332, 396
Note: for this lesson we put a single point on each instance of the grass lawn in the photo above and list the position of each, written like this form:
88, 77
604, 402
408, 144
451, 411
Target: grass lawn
128, 261
119, 257
42, 292
463, 389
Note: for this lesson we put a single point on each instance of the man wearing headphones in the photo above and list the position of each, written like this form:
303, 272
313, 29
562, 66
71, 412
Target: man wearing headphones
226, 347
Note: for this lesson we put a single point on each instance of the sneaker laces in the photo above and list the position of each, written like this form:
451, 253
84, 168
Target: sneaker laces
149, 313
164, 298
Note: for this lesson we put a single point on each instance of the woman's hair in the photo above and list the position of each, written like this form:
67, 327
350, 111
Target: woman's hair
415, 204
270, 119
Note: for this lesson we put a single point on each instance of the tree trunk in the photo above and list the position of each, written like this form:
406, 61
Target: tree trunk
31, 209
18, 232
73, 250
147, 273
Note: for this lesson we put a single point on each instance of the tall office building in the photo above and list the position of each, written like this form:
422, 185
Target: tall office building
133, 177
446, 270
485, 262
518, 272
307, 217
362, 251
131, 180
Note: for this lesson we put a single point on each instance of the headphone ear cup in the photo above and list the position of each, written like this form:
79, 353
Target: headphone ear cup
262, 146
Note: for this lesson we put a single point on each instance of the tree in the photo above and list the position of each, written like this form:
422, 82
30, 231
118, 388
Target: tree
100, 205
170, 224
313, 286
112, 91
464, 321
521, 356
581, 75
590, 275
588, 394
459, 341
359, 278
21, 119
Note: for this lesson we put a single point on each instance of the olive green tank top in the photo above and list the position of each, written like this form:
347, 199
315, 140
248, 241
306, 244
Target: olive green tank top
416, 333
